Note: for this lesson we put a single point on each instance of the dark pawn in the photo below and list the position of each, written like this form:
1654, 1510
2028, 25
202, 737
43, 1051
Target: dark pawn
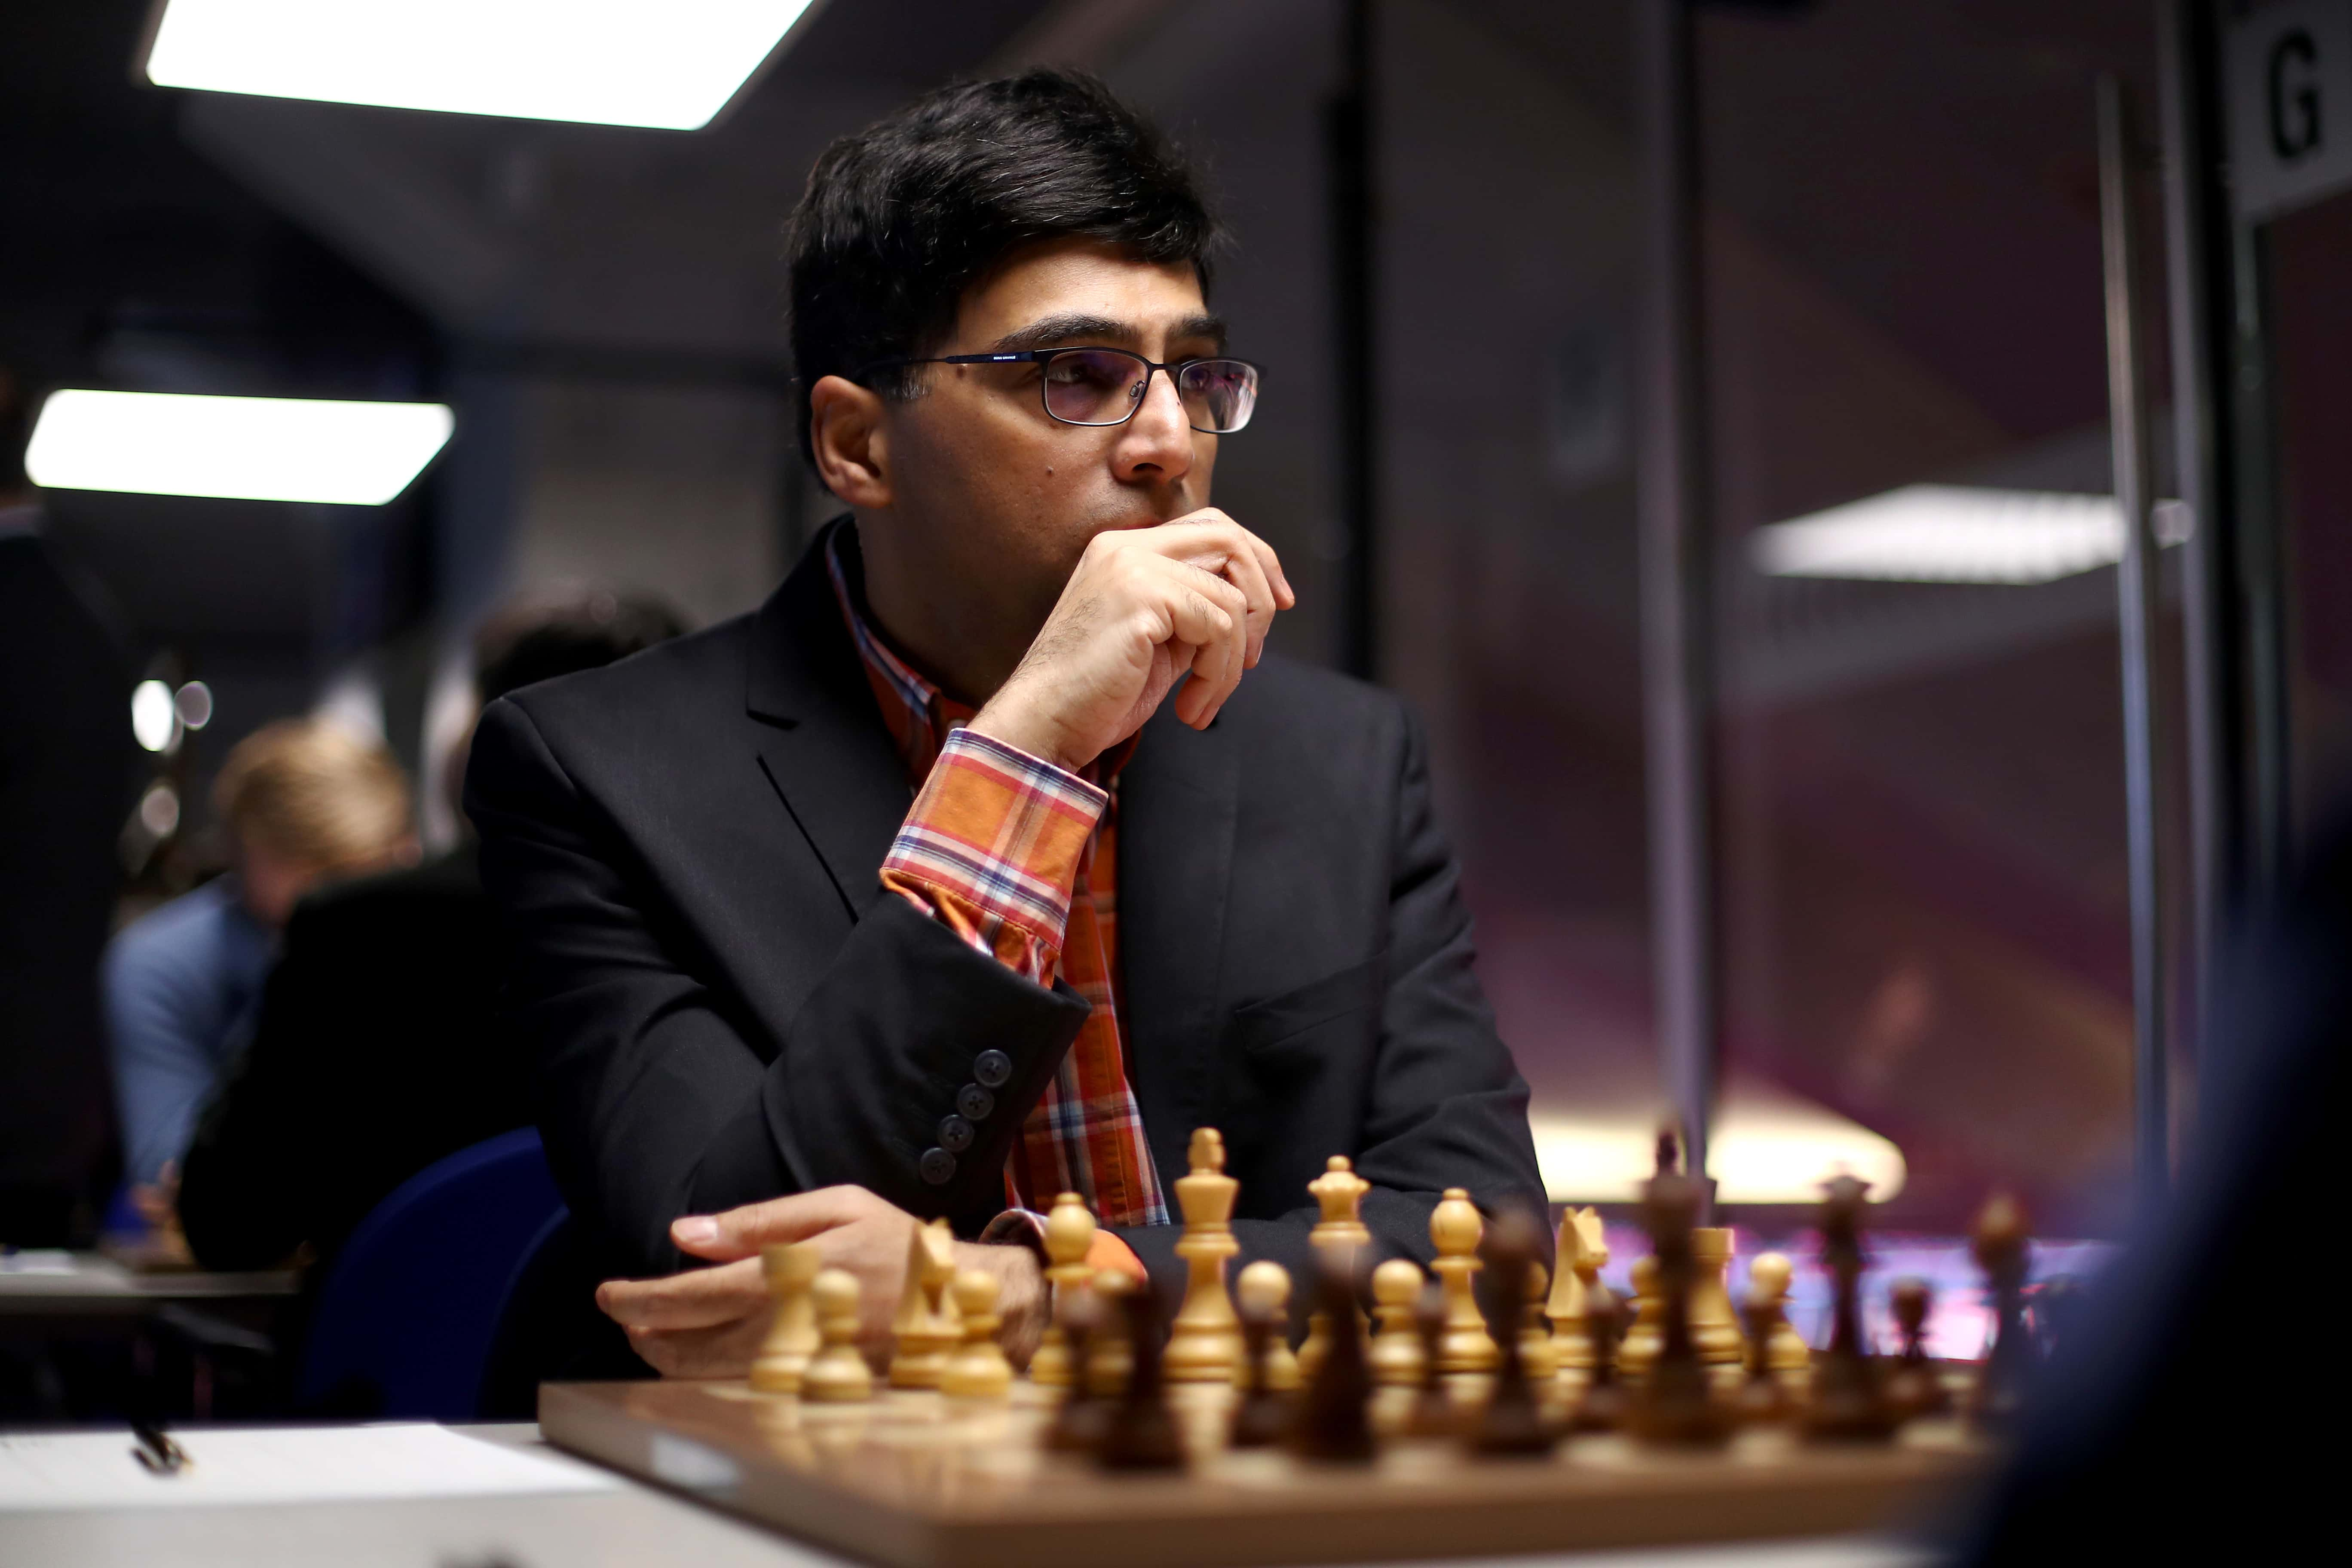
1848, 1404
1434, 1410
1761, 1398
1332, 1422
1142, 1434
1916, 1389
1513, 1421
1602, 1408
1677, 1404
1264, 1414
1081, 1420
1999, 1240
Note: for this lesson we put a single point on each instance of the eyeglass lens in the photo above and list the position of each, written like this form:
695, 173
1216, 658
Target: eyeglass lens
1102, 386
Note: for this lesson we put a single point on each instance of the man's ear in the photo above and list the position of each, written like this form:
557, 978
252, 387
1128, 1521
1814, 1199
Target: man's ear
845, 431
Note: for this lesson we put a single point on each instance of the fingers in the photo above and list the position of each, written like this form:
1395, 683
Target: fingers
725, 1351
698, 1299
1208, 615
1216, 542
740, 1232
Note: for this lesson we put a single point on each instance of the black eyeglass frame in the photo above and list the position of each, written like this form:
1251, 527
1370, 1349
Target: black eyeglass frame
1042, 357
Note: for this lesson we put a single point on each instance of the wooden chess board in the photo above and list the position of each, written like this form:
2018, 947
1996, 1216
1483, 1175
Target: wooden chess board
915, 1481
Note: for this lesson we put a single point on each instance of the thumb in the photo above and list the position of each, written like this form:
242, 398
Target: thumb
740, 1233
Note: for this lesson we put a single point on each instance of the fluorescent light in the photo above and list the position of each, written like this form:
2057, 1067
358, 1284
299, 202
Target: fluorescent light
247, 448
671, 65
1776, 1150
152, 721
1953, 533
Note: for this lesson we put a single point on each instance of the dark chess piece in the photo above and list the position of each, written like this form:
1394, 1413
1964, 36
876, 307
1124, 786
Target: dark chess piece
1434, 1414
1142, 1434
1999, 1240
1917, 1388
1677, 1404
2052, 1316
1513, 1421
1079, 1423
1761, 1398
1265, 1413
1848, 1404
1333, 1421
1602, 1408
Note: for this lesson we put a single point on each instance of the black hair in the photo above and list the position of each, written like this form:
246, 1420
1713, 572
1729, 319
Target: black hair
900, 218
534, 642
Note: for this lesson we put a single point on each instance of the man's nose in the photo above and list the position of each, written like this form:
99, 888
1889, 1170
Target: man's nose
1157, 443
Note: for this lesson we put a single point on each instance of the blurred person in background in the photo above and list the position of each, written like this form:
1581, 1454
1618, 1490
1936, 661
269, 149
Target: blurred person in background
67, 771
303, 802
375, 1051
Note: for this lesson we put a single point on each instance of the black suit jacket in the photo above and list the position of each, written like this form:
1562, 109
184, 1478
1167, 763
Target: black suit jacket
685, 848
376, 1052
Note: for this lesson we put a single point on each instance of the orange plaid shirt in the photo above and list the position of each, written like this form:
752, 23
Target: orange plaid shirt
1021, 860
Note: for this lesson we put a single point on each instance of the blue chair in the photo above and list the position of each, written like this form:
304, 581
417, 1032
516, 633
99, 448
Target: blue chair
405, 1322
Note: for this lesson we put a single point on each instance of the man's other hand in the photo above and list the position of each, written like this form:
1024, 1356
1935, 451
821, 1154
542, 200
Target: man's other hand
708, 1322
1145, 607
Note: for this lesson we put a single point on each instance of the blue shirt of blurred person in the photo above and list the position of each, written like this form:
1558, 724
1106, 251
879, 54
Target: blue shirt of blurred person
183, 984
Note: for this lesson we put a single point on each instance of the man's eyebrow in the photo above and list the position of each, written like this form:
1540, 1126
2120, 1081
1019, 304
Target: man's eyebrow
1077, 327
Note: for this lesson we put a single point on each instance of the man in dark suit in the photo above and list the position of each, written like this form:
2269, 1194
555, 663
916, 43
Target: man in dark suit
377, 1049
970, 868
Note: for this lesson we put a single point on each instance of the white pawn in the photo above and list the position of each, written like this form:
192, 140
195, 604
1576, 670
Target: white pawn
1397, 1358
789, 1269
1265, 1285
837, 1374
1455, 1227
978, 1369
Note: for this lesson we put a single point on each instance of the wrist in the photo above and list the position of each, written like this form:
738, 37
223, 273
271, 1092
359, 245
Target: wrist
1011, 721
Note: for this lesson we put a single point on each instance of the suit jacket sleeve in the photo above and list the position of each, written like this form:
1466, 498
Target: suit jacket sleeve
658, 1098
1447, 1107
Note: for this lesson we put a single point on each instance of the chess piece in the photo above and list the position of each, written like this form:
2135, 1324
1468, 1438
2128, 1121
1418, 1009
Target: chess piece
1069, 1235
1848, 1403
926, 1327
1263, 1413
789, 1269
1677, 1404
1713, 1322
1110, 1357
1785, 1353
1335, 1239
1079, 1420
1467, 1350
978, 1369
1512, 1423
837, 1374
1640, 1346
1999, 1241
1602, 1408
1762, 1396
1204, 1345
1333, 1423
1916, 1389
1582, 1254
1536, 1346
1396, 1355
1434, 1414
1142, 1433
1269, 1284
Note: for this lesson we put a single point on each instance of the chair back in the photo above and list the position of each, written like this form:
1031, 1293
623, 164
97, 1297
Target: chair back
405, 1321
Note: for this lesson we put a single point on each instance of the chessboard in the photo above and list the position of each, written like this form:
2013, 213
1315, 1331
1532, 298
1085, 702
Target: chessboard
916, 1479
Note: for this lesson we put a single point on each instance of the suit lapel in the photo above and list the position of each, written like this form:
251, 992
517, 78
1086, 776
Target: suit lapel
819, 736
1178, 801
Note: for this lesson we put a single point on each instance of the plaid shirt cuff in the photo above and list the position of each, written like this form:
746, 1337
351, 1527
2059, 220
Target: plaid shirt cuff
992, 847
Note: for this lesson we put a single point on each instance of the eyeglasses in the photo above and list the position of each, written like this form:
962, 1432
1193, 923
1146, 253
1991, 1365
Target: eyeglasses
1106, 387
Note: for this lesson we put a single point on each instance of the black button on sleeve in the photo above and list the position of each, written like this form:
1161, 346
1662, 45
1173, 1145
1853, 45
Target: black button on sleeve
937, 1166
974, 1102
955, 1134
993, 1068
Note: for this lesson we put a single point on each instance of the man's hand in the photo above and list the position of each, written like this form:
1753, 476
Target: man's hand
708, 1322
1145, 607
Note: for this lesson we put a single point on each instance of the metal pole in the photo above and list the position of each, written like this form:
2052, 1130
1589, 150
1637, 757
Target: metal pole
2195, 238
1677, 583
1355, 302
2136, 596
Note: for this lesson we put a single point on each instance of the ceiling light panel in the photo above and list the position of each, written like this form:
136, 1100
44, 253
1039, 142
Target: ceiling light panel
670, 66
1947, 534
243, 448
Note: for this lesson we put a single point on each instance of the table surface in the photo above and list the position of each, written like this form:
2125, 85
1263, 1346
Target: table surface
53, 1282
635, 1527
